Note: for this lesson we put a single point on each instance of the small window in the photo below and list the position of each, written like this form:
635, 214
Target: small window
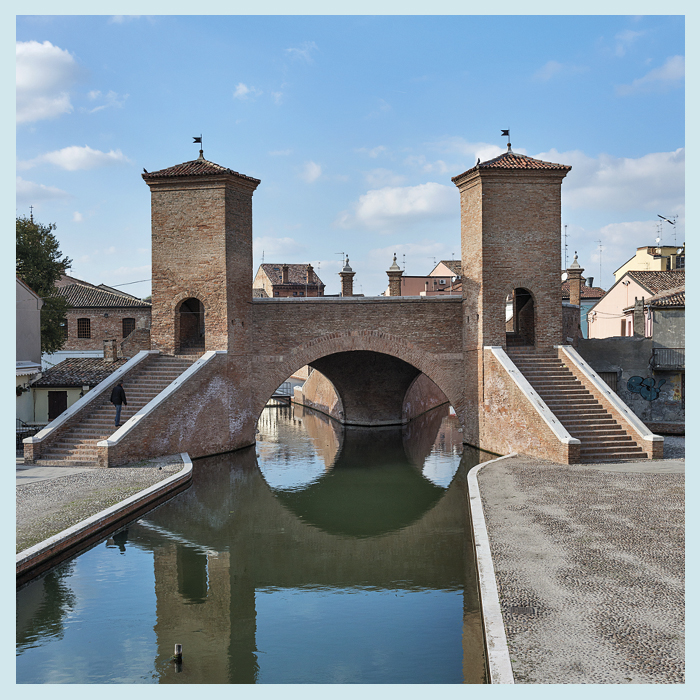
301, 294
277, 294
83, 328
128, 325
294, 294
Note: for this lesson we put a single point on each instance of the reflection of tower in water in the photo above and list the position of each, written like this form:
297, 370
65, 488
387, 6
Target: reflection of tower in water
244, 542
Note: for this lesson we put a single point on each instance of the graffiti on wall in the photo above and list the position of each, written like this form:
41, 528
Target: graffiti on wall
646, 387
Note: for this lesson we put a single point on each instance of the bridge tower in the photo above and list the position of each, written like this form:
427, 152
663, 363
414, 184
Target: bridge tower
201, 233
511, 232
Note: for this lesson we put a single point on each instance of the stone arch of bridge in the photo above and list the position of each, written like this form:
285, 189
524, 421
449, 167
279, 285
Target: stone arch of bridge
403, 359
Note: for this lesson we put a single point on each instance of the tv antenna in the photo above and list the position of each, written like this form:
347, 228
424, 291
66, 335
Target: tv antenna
566, 247
671, 221
600, 251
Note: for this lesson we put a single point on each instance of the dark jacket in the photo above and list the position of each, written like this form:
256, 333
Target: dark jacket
118, 396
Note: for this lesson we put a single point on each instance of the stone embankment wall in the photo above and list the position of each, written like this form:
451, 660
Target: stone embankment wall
661, 406
319, 393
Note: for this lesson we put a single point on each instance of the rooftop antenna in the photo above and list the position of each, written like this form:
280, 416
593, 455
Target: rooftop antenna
566, 247
671, 221
506, 132
404, 262
262, 262
342, 258
31, 213
600, 251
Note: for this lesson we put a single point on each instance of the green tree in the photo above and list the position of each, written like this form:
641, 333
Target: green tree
40, 265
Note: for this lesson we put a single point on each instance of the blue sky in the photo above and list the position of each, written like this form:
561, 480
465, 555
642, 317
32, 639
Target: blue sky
355, 126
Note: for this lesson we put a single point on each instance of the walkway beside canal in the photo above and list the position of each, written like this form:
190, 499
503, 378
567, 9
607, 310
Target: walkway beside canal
52, 499
589, 563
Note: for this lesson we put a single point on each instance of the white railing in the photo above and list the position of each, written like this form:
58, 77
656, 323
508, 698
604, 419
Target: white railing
609, 394
93, 394
156, 401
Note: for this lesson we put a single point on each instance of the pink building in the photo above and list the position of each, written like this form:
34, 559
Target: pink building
609, 317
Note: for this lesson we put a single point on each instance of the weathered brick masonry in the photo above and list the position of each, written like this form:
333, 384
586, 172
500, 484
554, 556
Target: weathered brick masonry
371, 349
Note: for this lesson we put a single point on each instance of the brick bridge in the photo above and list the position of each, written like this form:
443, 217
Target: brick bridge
373, 348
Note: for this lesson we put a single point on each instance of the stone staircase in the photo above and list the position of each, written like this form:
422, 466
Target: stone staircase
77, 445
602, 438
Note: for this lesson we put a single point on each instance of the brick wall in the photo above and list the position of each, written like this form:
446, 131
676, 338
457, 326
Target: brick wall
510, 423
202, 249
425, 333
511, 222
105, 324
209, 413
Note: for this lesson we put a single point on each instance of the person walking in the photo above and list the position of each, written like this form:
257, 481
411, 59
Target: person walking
118, 398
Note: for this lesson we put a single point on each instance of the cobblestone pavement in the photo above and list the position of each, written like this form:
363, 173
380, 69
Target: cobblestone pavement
589, 564
51, 499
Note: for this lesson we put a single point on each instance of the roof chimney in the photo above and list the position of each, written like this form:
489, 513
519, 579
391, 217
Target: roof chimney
285, 274
309, 274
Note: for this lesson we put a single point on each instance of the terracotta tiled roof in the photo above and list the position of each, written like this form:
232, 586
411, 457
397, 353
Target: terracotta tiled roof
586, 291
658, 281
669, 297
454, 265
514, 161
83, 295
79, 371
297, 274
259, 293
199, 167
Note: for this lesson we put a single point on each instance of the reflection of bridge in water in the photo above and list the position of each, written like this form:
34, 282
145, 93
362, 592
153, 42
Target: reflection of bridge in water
246, 537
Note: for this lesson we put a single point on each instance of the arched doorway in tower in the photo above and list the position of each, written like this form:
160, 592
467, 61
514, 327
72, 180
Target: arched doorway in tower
189, 328
520, 318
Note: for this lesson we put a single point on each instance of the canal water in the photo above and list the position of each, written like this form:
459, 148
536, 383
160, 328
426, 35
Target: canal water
321, 555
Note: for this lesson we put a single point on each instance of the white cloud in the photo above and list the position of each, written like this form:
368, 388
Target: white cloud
277, 97
45, 74
276, 249
303, 52
372, 152
457, 145
381, 177
28, 192
77, 217
625, 39
548, 71
651, 182
111, 99
311, 171
438, 166
382, 108
243, 92
77, 158
668, 76
552, 69
389, 207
